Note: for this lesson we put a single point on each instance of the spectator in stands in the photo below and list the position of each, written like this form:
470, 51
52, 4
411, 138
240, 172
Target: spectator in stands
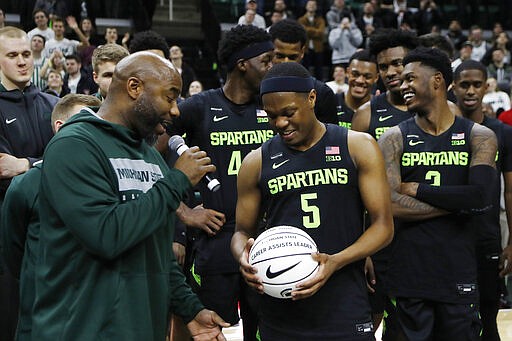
367, 22
194, 88
149, 41
258, 21
279, 7
56, 62
67, 46
500, 70
427, 17
77, 79
111, 35
41, 20
55, 85
337, 12
37, 46
338, 85
506, 117
455, 34
249, 17
89, 32
465, 52
104, 61
2, 18
496, 30
480, 46
54, 8
488, 111
344, 41
502, 42
386, 12
495, 97
186, 71
315, 30
274, 18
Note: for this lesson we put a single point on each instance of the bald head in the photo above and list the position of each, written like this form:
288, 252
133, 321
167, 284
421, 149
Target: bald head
142, 94
143, 65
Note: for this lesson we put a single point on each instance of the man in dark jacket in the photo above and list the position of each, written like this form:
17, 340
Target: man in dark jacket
24, 132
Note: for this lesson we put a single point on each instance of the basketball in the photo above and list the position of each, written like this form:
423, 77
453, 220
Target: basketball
282, 256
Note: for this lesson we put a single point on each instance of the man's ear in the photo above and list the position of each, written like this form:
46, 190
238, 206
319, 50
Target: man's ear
241, 65
134, 87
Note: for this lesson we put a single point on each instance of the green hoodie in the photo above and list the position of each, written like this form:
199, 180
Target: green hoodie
106, 270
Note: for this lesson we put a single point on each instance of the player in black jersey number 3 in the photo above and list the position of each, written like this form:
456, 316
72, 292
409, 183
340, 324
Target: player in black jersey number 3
439, 167
321, 168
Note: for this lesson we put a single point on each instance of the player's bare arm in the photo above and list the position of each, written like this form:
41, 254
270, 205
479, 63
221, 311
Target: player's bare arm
404, 206
361, 118
247, 216
506, 257
484, 145
375, 194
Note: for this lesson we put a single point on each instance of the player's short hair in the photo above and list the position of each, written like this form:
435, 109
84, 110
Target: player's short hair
433, 58
238, 38
364, 56
62, 110
287, 77
288, 31
438, 41
149, 40
469, 65
384, 39
107, 53
287, 70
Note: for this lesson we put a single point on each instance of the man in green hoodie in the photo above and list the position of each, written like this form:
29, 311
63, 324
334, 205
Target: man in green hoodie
107, 208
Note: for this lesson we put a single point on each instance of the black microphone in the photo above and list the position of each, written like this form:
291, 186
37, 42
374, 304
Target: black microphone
177, 144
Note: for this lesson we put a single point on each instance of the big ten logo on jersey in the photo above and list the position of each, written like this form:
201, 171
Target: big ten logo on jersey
261, 116
458, 139
332, 153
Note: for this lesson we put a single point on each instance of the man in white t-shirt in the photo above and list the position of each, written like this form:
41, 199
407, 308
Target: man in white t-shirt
41, 20
338, 85
66, 46
258, 21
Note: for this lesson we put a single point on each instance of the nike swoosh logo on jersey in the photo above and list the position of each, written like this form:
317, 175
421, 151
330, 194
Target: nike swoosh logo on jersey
9, 121
271, 274
277, 165
384, 118
217, 119
414, 143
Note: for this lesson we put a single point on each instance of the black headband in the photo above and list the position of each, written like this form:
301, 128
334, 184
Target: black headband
286, 84
250, 51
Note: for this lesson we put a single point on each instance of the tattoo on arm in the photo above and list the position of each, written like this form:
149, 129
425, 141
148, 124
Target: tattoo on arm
403, 205
483, 146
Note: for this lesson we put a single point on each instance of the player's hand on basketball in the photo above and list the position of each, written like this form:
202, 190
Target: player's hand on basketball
250, 272
370, 275
179, 252
207, 325
506, 261
325, 270
194, 163
208, 220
